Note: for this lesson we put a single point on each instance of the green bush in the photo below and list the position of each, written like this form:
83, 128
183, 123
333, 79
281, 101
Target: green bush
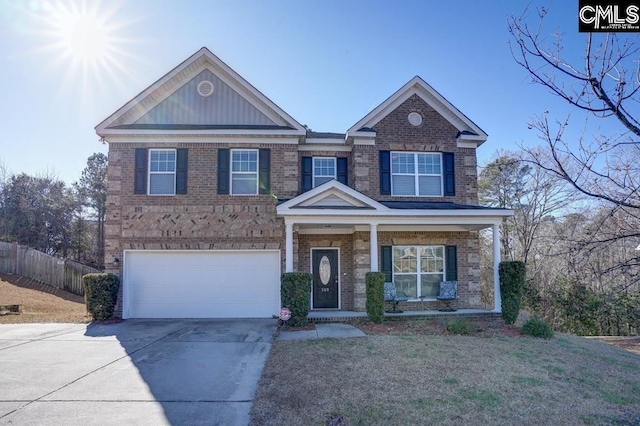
512, 276
458, 326
537, 327
375, 296
295, 291
101, 294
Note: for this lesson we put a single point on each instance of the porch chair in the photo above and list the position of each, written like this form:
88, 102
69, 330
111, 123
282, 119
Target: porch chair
448, 293
393, 296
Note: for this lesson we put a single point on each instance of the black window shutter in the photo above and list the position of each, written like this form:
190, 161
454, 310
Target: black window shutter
451, 259
181, 170
223, 170
343, 172
385, 173
140, 177
307, 174
264, 176
449, 174
387, 263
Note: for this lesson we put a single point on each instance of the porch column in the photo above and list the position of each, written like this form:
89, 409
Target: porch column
373, 247
497, 299
288, 247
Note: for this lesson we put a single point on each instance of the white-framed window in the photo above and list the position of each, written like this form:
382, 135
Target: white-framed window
244, 172
162, 172
324, 169
418, 270
416, 174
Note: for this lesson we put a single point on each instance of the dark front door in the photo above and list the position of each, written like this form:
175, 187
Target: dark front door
325, 278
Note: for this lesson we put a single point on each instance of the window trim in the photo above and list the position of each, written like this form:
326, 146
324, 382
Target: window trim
416, 175
149, 172
313, 169
256, 173
418, 273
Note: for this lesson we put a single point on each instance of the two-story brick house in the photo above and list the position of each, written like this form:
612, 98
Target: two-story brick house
214, 191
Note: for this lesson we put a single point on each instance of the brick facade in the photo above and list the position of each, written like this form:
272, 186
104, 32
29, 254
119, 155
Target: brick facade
435, 134
202, 219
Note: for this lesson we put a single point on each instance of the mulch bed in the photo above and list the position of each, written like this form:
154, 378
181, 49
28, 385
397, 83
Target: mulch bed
424, 327
438, 327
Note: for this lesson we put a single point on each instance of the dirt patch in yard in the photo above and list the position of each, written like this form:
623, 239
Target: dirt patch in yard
39, 302
630, 343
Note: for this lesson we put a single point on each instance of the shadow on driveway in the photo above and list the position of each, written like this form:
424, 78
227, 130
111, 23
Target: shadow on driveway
143, 372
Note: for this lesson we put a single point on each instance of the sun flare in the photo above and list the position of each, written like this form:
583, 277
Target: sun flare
85, 37
85, 44
82, 35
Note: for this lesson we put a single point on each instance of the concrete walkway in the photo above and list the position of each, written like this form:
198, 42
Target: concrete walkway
322, 331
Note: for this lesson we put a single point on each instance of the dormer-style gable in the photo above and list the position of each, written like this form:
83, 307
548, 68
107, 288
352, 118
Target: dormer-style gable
331, 195
469, 134
201, 96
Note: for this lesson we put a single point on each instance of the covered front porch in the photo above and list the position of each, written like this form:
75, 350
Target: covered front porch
339, 234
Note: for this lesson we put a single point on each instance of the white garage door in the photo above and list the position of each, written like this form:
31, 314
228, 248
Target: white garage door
201, 284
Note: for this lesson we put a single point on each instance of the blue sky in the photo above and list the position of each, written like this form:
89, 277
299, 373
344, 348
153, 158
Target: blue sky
327, 63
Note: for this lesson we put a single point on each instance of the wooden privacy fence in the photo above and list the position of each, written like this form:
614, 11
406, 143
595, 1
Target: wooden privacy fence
50, 270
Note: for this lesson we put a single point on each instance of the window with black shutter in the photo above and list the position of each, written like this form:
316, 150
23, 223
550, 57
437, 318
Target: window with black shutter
317, 170
140, 175
223, 171
265, 170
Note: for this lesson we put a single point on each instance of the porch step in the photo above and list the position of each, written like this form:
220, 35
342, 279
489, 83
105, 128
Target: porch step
317, 317
346, 316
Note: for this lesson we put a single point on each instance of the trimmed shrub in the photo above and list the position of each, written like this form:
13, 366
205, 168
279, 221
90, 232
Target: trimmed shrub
101, 294
295, 291
375, 296
459, 326
512, 277
537, 327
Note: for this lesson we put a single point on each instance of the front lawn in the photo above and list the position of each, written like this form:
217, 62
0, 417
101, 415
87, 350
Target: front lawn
404, 376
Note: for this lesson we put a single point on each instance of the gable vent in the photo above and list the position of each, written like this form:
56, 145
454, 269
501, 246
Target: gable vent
205, 88
415, 119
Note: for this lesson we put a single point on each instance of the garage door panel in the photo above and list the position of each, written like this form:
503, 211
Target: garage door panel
183, 292
166, 310
211, 284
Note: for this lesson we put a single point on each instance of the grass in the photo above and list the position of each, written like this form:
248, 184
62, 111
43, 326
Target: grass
40, 302
405, 376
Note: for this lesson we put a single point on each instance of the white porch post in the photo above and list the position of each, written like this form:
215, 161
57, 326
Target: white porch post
288, 250
373, 247
497, 299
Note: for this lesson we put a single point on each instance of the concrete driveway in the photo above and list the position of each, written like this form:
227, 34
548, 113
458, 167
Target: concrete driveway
135, 372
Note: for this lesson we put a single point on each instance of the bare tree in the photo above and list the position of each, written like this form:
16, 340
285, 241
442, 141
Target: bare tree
4, 223
535, 196
603, 83
537, 199
502, 183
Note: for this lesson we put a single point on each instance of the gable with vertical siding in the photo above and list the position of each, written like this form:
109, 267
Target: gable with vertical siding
173, 104
224, 107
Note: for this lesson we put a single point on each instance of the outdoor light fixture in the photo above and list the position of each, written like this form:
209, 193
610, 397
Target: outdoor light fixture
116, 262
